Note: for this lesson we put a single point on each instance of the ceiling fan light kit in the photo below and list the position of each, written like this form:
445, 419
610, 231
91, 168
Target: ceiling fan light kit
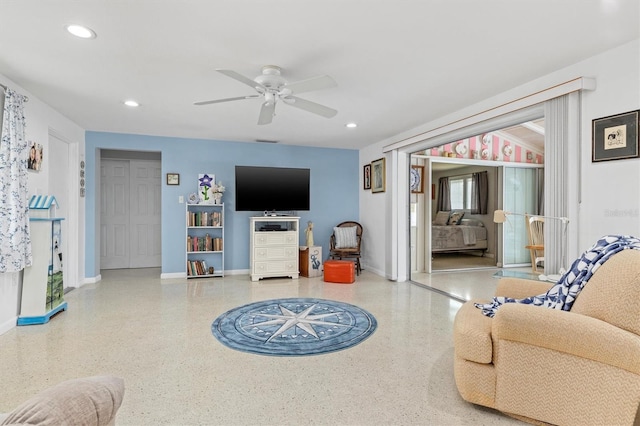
272, 88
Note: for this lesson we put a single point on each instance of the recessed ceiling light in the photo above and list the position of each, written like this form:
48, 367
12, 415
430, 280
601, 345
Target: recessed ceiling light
131, 103
351, 125
81, 31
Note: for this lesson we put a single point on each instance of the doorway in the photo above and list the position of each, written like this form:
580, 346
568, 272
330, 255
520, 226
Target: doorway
60, 187
438, 250
130, 210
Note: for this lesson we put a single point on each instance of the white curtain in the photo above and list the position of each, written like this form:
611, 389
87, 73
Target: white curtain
561, 172
15, 241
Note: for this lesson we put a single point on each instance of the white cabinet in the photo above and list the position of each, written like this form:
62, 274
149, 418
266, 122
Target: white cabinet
42, 284
205, 240
274, 247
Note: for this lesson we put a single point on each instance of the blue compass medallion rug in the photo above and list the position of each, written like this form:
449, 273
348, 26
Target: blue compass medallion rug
293, 327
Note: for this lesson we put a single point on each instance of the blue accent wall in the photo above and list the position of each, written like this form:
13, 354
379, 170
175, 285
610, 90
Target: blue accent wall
334, 189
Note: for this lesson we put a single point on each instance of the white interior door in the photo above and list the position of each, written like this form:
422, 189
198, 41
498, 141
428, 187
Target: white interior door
114, 213
144, 241
130, 212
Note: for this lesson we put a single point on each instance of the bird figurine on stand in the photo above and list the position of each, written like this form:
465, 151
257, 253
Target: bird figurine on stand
309, 234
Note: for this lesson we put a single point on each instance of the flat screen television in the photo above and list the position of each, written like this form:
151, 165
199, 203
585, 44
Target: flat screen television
273, 189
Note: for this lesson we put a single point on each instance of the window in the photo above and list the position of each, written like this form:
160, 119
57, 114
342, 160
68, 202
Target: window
460, 187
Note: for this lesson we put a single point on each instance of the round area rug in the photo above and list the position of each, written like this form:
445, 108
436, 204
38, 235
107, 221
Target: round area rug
293, 327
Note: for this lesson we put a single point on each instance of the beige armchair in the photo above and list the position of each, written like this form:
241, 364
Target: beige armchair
580, 367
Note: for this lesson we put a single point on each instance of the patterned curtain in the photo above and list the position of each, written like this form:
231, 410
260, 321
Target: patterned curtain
479, 193
15, 241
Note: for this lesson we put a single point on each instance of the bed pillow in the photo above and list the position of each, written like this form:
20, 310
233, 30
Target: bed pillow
441, 219
455, 217
346, 236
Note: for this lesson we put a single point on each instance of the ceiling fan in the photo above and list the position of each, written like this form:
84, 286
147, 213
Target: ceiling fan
272, 87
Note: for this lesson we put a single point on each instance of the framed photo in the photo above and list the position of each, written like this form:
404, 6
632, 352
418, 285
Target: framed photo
416, 181
173, 179
615, 137
378, 175
366, 175
36, 155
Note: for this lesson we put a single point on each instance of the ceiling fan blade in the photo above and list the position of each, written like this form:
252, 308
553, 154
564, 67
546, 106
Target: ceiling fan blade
311, 107
241, 78
266, 113
313, 83
217, 101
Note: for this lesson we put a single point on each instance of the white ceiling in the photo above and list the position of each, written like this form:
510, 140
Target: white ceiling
397, 63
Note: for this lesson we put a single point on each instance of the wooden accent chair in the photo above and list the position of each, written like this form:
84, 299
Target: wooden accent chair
535, 235
577, 367
344, 245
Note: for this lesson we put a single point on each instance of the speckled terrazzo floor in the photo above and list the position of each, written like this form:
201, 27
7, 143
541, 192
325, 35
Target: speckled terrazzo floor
156, 335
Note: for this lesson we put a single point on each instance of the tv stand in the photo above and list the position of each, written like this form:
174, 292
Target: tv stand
274, 254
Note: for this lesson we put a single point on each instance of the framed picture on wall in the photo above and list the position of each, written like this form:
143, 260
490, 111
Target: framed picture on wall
36, 155
173, 179
378, 175
366, 176
416, 181
615, 137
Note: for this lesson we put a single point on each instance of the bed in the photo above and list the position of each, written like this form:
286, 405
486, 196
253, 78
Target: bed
470, 234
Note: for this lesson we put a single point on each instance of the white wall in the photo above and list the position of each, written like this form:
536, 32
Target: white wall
611, 189
609, 193
374, 214
41, 120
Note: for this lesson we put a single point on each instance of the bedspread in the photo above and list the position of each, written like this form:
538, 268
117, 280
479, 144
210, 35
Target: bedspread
458, 237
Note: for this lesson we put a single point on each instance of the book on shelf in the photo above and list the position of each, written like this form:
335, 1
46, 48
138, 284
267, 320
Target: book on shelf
216, 220
204, 219
206, 243
197, 267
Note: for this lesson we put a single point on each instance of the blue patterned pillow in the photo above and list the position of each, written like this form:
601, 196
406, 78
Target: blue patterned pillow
346, 237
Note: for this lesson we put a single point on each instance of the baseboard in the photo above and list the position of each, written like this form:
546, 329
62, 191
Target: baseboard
172, 275
236, 272
92, 280
8, 325
376, 271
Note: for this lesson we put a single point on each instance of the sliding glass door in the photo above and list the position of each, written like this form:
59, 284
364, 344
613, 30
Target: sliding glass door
520, 192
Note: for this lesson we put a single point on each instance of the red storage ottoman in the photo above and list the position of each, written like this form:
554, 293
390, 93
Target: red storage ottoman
339, 271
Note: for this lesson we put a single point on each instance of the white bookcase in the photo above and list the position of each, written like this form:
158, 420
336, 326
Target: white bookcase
274, 247
204, 240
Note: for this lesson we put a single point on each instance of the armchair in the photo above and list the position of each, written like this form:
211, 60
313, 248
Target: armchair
345, 243
574, 367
